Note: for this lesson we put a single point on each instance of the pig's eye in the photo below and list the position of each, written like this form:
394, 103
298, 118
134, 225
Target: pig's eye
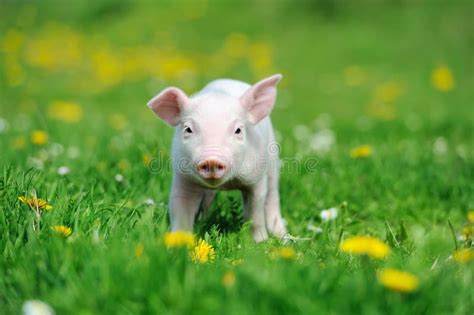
188, 130
238, 131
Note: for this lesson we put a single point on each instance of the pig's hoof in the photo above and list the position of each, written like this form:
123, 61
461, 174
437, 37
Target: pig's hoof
277, 228
260, 235
280, 232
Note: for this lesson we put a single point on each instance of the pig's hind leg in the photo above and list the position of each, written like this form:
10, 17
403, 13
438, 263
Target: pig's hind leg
273, 219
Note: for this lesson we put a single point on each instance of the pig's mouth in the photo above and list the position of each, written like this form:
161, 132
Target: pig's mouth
212, 182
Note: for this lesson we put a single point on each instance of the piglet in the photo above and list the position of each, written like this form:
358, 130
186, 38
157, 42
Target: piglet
224, 140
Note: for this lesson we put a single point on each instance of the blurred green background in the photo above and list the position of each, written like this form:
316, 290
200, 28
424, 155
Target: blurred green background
380, 93
346, 58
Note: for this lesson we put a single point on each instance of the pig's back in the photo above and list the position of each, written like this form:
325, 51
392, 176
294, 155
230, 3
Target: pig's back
230, 87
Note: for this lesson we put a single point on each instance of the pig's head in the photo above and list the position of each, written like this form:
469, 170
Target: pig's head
213, 129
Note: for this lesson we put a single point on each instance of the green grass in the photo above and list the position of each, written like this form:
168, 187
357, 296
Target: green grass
418, 179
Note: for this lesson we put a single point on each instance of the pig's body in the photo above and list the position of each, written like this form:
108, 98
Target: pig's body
224, 140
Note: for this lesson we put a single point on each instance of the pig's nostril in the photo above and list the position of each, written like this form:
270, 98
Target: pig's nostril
203, 167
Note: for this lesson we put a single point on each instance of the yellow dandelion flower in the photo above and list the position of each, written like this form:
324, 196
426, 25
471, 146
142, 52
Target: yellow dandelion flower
236, 45
361, 151
442, 79
260, 59
354, 75
36, 203
146, 159
384, 95
286, 253
54, 47
123, 165
228, 280
179, 239
470, 216
175, 65
62, 230
467, 231
118, 121
14, 73
39, 137
203, 253
193, 10
107, 67
365, 245
382, 111
397, 280
139, 249
464, 255
65, 111
387, 92
101, 166
18, 143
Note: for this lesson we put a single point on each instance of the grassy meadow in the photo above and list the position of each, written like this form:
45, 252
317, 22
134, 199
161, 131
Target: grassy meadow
375, 107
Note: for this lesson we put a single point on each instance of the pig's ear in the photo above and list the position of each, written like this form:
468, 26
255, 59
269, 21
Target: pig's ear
260, 98
169, 104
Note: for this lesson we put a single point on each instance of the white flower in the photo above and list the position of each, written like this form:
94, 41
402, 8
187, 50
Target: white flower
56, 149
63, 170
149, 202
328, 214
119, 178
36, 307
301, 132
323, 121
461, 151
3, 125
288, 237
322, 141
440, 146
95, 236
43, 155
314, 229
72, 152
35, 163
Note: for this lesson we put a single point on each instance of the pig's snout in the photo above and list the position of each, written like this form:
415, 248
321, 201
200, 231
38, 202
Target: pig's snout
211, 169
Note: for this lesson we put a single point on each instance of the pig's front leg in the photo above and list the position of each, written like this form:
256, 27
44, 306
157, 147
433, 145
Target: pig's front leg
254, 203
185, 199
